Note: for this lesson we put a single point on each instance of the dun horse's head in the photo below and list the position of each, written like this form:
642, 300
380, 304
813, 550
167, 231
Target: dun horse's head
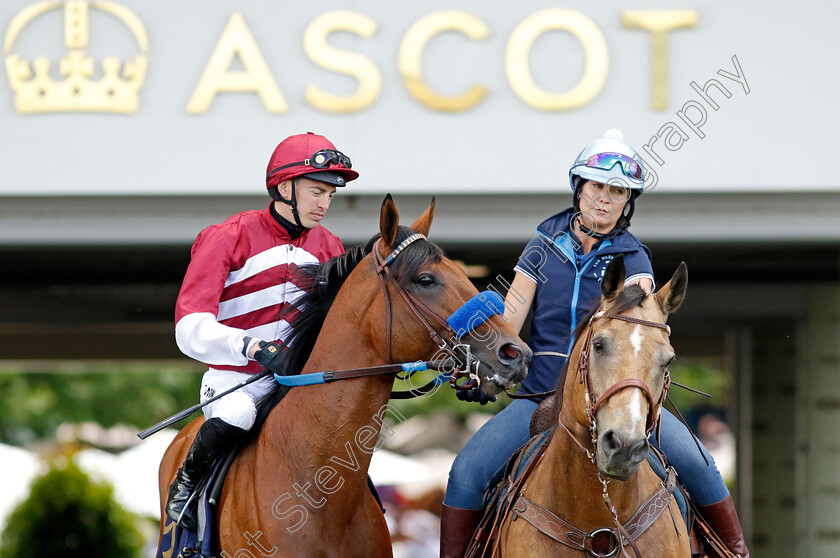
437, 288
628, 351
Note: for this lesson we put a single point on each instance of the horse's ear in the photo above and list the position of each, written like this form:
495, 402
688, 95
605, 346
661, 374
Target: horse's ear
613, 281
672, 294
424, 222
389, 220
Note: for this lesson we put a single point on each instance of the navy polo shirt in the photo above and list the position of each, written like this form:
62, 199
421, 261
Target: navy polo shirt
568, 287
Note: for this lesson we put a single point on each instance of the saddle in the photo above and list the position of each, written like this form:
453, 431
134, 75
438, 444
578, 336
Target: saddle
503, 498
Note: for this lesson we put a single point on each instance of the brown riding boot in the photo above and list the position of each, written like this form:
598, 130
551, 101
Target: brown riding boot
457, 526
723, 519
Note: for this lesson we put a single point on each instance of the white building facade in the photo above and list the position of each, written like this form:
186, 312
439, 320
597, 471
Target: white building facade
125, 128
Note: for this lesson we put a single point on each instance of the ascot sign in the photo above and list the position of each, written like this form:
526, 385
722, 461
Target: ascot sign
117, 92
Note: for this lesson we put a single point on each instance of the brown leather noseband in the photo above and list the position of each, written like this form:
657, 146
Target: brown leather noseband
595, 402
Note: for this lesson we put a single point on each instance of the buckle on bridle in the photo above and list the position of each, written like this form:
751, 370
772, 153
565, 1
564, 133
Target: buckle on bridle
465, 368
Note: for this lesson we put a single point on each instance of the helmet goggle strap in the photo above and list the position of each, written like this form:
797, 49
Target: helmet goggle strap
321, 159
606, 161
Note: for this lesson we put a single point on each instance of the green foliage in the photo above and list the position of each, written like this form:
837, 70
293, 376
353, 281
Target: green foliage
698, 375
68, 515
135, 394
443, 399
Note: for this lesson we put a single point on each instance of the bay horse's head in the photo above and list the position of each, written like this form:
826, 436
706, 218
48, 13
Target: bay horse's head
422, 290
622, 361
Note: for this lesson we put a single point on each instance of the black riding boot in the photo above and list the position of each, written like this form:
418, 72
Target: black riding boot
211, 439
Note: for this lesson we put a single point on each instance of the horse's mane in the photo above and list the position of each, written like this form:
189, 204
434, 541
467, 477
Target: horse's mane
321, 283
630, 297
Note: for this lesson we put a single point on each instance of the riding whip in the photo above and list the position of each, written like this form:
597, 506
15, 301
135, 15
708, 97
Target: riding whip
187, 412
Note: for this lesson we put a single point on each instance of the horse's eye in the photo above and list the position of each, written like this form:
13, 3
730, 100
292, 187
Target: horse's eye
425, 280
597, 346
668, 362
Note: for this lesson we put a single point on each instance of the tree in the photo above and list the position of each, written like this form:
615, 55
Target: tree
66, 516
138, 394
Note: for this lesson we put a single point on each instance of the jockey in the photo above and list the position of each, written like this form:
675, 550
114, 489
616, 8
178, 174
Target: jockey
559, 274
239, 280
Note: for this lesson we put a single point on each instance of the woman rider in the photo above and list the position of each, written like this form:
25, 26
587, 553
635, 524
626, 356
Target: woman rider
559, 273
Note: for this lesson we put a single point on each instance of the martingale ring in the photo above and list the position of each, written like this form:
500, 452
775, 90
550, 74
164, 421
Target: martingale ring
593, 538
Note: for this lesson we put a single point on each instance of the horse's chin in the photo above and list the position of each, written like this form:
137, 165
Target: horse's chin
492, 382
623, 471
618, 475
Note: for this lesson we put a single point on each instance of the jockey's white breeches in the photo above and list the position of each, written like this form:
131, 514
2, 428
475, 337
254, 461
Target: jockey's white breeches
238, 408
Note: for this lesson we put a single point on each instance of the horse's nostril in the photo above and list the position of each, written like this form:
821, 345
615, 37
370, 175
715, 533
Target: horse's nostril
509, 351
640, 448
611, 442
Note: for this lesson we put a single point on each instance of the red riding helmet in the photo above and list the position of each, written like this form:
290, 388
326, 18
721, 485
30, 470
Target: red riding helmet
312, 155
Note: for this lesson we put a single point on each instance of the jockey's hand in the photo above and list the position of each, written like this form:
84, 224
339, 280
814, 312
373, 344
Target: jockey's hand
474, 395
272, 357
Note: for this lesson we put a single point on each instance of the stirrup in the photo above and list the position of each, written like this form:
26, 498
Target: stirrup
191, 523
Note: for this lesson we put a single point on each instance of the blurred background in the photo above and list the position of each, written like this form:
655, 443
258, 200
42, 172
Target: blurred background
107, 177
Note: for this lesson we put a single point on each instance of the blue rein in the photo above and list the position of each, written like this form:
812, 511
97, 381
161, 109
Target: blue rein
325, 377
469, 316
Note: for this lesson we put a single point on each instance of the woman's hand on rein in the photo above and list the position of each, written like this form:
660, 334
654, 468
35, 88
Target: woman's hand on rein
474, 395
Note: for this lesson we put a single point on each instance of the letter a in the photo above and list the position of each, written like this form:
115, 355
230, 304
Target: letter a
236, 40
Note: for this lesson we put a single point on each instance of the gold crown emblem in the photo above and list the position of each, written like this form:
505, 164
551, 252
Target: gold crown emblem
36, 91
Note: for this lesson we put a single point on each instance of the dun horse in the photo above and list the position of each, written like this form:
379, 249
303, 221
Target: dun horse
299, 488
617, 375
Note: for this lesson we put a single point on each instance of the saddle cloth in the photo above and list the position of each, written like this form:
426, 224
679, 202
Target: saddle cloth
177, 542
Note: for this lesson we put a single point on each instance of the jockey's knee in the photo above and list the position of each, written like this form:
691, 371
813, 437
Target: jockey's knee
236, 409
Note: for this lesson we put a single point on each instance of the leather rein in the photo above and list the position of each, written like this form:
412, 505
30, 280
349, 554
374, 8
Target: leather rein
464, 360
627, 533
594, 402
454, 365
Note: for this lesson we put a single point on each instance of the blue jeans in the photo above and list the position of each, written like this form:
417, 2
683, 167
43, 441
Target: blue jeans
489, 450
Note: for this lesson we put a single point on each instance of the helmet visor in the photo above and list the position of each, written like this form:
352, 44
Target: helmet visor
606, 161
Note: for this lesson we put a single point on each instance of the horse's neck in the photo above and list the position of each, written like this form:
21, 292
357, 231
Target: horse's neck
333, 424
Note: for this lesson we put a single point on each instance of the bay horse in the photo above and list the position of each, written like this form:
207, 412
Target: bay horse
299, 488
616, 381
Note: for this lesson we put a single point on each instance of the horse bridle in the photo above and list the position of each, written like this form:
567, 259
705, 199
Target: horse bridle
460, 353
593, 402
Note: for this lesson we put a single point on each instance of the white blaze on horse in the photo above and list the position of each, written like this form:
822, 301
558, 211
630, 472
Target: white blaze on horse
592, 491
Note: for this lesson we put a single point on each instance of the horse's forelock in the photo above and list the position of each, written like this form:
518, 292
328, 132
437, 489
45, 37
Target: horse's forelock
630, 297
415, 255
